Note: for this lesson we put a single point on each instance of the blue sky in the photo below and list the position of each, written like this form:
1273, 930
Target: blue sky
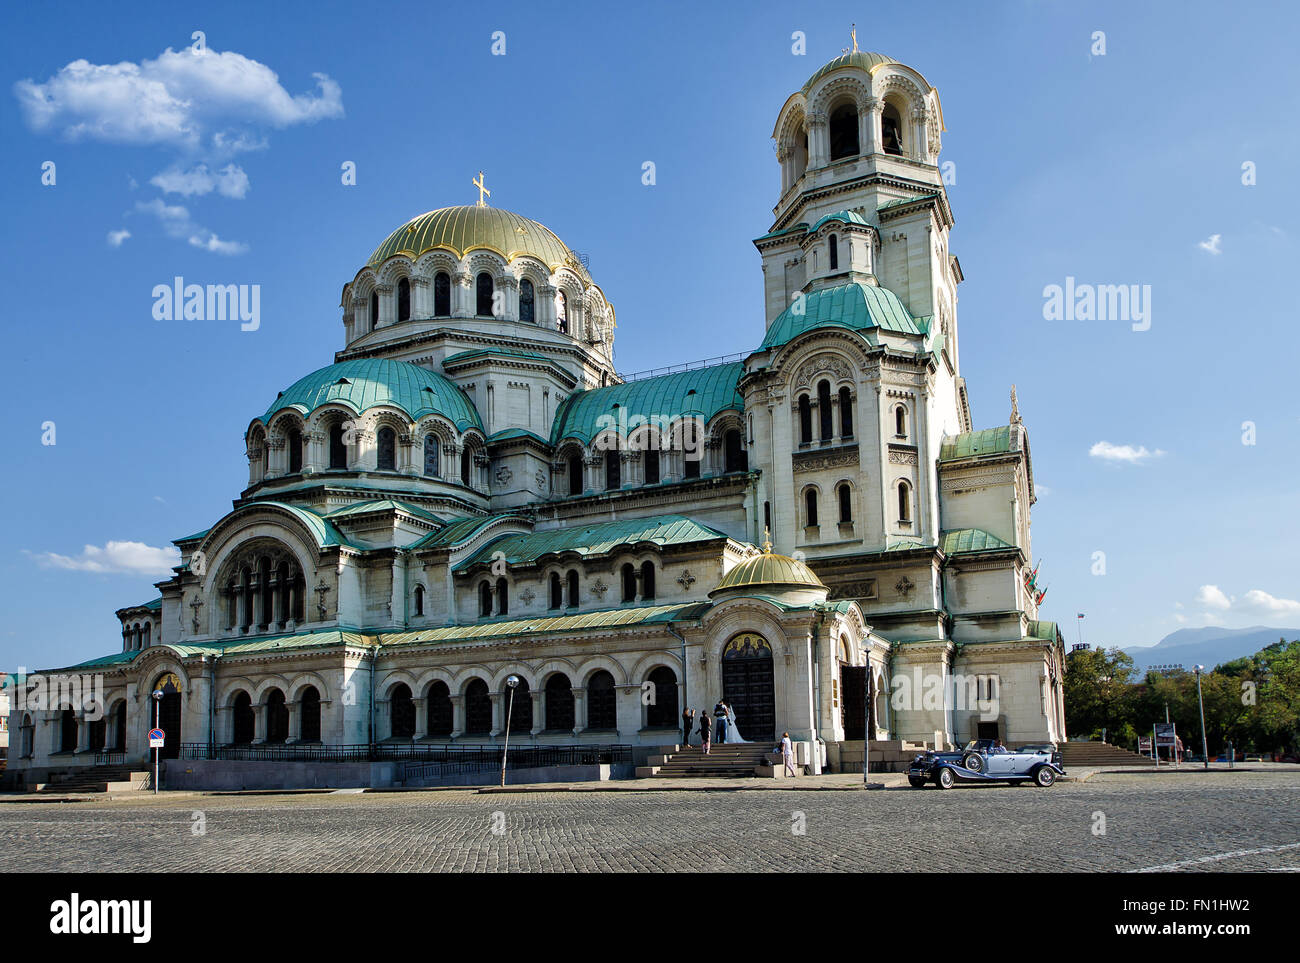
1123, 168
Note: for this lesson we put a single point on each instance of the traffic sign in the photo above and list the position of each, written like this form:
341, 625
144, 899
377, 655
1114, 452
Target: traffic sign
156, 739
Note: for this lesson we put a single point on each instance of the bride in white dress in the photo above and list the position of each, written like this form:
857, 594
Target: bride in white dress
733, 734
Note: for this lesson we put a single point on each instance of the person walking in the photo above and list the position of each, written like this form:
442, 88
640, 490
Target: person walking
787, 754
688, 723
706, 730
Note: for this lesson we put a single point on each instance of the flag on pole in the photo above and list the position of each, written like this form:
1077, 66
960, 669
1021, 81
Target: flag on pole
1080, 615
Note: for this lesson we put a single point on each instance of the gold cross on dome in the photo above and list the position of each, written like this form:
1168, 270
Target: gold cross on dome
767, 541
482, 191
853, 32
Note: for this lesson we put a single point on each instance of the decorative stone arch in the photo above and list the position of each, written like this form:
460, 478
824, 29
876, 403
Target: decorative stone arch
393, 678
394, 269
439, 260
482, 259
567, 281
530, 268
364, 285
265, 685
839, 89
643, 666
428, 677
552, 667
593, 664
789, 361
232, 687
304, 679
744, 615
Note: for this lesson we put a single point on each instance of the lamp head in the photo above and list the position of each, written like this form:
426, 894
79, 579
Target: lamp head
512, 681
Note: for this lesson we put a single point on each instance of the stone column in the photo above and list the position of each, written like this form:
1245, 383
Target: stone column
869, 126
421, 718
259, 723
579, 710
818, 149
387, 304
421, 298
294, 732
508, 285
539, 710
457, 716
921, 150
544, 307
462, 295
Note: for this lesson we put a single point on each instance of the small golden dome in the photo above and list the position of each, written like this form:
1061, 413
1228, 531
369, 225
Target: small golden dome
770, 570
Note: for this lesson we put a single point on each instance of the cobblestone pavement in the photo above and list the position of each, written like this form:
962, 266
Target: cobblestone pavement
1217, 822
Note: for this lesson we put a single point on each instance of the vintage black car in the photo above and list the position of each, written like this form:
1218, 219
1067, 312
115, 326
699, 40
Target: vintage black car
984, 760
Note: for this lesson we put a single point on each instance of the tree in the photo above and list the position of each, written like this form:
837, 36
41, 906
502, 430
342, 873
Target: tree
1097, 689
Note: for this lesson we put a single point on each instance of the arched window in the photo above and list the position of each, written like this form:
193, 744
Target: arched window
628, 573
575, 474
833, 246
402, 711
600, 701
441, 294
484, 599
483, 305
439, 709
904, 502
431, 456
277, 717
264, 590
891, 131
464, 467
387, 449
900, 421
527, 298
557, 591
805, 420
98, 734
145, 633
478, 708
810, 507
844, 131
309, 715
824, 409
612, 473
846, 503
647, 580
119, 727
559, 703
503, 597
404, 300
243, 723
846, 413
27, 737
661, 712
338, 450
374, 310
247, 585
419, 600
561, 313
573, 588
650, 459
735, 457
519, 710
299, 593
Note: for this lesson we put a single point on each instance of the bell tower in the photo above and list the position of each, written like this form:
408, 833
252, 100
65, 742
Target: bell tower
862, 194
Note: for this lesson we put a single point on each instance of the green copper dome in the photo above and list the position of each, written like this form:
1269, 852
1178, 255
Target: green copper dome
856, 305
859, 58
468, 228
367, 383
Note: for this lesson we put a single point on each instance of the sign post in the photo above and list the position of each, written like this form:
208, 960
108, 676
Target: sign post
156, 737
866, 733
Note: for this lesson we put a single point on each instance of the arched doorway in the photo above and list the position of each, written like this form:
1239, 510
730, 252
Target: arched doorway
169, 714
243, 722
277, 717
439, 709
478, 708
309, 715
520, 711
403, 712
748, 685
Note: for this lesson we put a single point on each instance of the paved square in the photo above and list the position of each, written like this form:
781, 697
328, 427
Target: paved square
1218, 821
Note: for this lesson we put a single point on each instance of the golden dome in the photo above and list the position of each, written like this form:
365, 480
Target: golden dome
770, 570
468, 228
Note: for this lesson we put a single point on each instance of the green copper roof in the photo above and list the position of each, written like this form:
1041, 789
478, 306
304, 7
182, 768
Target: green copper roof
324, 531
970, 540
801, 226
457, 531
508, 434
900, 201
600, 538
903, 544
702, 393
368, 382
847, 217
464, 229
859, 58
855, 305
540, 625
382, 505
1046, 631
989, 441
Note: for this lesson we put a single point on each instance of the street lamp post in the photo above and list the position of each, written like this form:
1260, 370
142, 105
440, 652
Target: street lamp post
511, 682
157, 705
1205, 746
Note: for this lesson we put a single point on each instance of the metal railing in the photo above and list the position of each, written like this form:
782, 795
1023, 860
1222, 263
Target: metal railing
687, 366
468, 758
110, 757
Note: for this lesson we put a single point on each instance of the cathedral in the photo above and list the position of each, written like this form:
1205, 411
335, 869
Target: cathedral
469, 525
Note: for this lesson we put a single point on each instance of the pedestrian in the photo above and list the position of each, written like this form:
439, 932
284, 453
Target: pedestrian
706, 730
720, 713
787, 754
688, 723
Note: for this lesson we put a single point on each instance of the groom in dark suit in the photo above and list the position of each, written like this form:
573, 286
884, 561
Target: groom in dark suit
720, 714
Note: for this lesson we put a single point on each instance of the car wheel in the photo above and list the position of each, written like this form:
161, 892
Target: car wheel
1044, 776
973, 761
918, 782
946, 779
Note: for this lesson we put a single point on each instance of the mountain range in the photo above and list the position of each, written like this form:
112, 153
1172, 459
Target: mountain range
1208, 647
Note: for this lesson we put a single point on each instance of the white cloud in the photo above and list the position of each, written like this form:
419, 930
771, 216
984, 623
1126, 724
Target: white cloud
176, 99
1260, 601
1212, 244
230, 181
1212, 596
176, 221
115, 238
1125, 453
132, 558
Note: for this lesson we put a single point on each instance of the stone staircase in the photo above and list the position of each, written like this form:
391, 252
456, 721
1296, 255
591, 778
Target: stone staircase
96, 779
1098, 755
728, 761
